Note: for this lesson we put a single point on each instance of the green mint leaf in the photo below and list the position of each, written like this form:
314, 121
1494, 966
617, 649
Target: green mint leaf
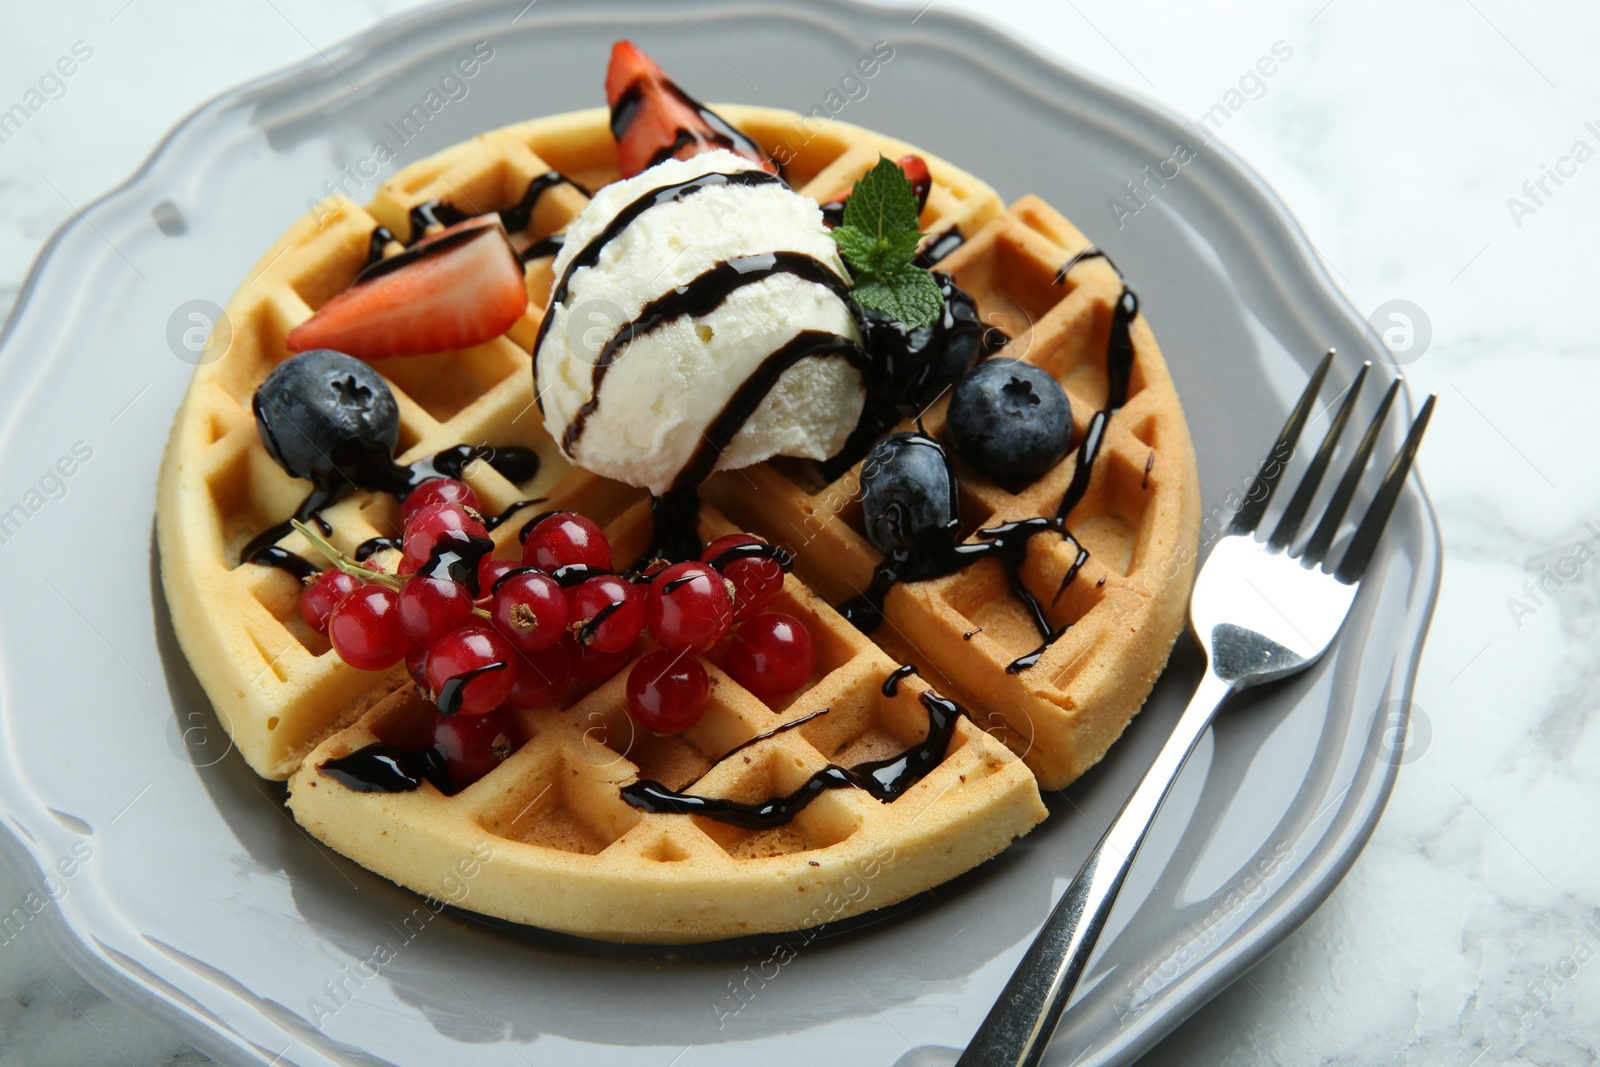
909, 294
878, 238
867, 254
857, 248
900, 247
884, 205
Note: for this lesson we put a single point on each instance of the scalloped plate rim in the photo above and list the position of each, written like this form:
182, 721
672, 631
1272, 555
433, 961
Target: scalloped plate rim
219, 1040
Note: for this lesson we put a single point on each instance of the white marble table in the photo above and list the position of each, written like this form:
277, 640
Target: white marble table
1416, 147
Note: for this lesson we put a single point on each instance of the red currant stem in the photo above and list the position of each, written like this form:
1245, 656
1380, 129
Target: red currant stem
392, 582
344, 563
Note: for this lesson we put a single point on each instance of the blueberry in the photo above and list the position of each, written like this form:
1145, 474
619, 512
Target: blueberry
916, 366
908, 496
1011, 420
966, 338
324, 415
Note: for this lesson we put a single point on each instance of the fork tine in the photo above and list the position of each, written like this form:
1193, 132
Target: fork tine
1359, 552
1300, 503
1250, 512
1339, 503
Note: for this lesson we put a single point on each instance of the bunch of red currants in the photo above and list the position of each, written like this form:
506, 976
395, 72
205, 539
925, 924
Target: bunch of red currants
490, 636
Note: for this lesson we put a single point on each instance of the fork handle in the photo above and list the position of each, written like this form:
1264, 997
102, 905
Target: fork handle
1018, 1027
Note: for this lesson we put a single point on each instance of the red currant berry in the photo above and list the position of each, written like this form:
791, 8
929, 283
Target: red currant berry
687, 608
771, 655
566, 538
667, 691
647, 572
427, 525
592, 665
365, 629
319, 598
462, 651
432, 607
606, 613
474, 745
530, 611
756, 580
542, 676
438, 491
417, 666
490, 570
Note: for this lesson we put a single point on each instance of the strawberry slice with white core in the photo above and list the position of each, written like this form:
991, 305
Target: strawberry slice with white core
460, 287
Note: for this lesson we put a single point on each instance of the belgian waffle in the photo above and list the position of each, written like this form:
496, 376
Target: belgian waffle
553, 842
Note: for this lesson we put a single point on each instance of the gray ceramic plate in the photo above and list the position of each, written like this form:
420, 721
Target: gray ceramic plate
180, 884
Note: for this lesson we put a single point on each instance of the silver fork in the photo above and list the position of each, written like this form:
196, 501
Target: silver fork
1260, 613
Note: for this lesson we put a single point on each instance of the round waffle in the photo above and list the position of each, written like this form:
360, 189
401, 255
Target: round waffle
546, 838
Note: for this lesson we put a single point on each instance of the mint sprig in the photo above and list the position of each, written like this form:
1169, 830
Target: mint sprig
878, 239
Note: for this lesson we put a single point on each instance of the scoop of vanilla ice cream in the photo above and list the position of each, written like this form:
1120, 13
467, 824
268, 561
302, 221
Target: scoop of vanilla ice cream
667, 386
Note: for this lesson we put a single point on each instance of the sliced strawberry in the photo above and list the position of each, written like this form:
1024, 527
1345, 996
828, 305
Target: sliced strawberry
653, 120
461, 287
916, 171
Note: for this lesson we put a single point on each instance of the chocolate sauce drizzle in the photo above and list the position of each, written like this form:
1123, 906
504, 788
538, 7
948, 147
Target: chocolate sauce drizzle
455, 557
940, 554
384, 768
527, 527
1088, 252
514, 218
753, 550
938, 246
585, 632
908, 371
373, 545
774, 732
675, 528
698, 296
723, 134
516, 463
416, 252
375, 470
589, 254
678, 583
545, 246
885, 780
575, 574
754, 389
286, 561
494, 522
519, 215
1072, 571
454, 690
1119, 372
1022, 663
441, 213
934, 557
891, 684
381, 236
676, 513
